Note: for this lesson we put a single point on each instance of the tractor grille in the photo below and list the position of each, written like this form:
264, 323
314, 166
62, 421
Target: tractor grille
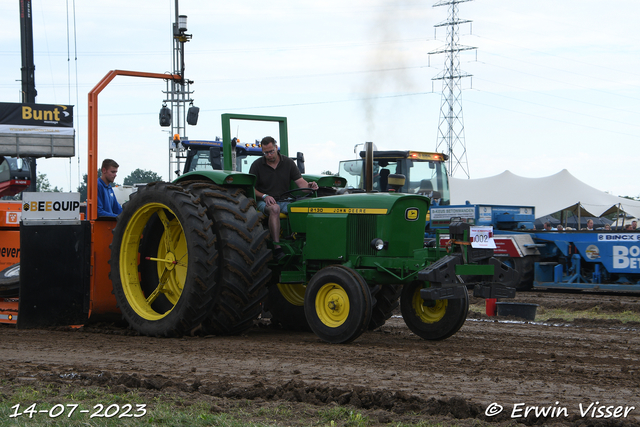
361, 231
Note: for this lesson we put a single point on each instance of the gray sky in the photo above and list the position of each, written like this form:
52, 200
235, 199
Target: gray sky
556, 84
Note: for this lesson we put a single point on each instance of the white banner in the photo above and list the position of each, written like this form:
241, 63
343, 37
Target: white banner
50, 206
482, 237
38, 130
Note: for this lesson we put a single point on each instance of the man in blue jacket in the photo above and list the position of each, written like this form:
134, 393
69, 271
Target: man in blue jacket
107, 203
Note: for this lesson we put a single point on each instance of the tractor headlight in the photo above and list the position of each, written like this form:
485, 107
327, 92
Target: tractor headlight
378, 244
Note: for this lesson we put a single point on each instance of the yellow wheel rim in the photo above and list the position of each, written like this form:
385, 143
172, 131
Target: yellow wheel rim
428, 314
294, 293
332, 305
171, 259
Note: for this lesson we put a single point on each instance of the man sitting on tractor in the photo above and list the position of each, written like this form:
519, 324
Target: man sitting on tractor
107, 203
274, 173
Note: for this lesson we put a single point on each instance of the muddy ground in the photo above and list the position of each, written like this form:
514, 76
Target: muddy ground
389, 375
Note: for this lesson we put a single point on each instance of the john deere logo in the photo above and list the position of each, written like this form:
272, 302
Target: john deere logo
411, 214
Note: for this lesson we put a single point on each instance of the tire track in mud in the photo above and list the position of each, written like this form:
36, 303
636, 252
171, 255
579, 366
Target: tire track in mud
388, 369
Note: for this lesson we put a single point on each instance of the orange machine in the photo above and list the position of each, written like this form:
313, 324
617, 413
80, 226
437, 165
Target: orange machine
64, 277
12, 182
10, 212
14, 178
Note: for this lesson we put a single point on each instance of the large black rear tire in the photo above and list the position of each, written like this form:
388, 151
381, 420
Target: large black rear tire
183, 279
435, 320
243, 272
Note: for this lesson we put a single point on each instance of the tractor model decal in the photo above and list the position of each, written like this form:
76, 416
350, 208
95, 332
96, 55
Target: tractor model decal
369, 211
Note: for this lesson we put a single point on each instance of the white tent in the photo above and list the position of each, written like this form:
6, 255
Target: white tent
549, 194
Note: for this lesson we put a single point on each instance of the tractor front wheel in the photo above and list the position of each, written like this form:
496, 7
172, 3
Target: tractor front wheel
432, 320
337, 304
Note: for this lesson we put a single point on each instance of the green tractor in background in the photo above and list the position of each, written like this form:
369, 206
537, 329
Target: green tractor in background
195, 256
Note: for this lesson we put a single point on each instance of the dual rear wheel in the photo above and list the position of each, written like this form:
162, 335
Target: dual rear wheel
189, 258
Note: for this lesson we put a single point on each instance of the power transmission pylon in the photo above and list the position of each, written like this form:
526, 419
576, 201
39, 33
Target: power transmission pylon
451, 124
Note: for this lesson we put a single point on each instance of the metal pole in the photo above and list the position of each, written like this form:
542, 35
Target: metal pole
28, 69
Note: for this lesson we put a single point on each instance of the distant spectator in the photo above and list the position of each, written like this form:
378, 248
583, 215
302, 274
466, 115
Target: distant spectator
108, 205
628, 227
634, 225
547, 226
607, 226
560, 227
589, 225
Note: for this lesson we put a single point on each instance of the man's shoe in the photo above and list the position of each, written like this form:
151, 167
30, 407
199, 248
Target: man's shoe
278, 254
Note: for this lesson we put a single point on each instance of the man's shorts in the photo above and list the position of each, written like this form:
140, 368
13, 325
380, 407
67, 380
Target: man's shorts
283, 206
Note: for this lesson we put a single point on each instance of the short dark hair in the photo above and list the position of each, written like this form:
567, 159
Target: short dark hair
268, 140
109, 163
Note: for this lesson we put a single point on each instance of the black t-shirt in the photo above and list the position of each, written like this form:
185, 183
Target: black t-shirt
276, 181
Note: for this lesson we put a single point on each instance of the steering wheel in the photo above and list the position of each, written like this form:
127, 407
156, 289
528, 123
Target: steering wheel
289, 192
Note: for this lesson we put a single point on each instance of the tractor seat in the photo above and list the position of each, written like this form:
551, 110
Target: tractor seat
425, 187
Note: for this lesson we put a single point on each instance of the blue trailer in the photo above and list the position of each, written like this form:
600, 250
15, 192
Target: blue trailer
588, 260
574, 259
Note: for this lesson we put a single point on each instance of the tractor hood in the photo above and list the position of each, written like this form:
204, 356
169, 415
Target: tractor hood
362, 203
338, 227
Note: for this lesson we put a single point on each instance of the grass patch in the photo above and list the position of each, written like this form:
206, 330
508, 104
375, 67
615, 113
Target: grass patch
339, 415
595, 313
52, 405
173, 409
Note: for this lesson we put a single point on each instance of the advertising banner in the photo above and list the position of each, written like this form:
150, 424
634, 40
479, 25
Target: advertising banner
36, 119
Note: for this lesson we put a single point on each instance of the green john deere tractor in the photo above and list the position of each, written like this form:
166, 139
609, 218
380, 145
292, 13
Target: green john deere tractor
195, 256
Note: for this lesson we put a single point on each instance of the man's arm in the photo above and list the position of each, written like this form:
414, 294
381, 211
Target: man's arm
254, 170
302, 183
115, 206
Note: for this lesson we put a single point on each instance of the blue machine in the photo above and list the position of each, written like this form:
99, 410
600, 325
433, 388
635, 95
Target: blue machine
589, 260
585, 260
